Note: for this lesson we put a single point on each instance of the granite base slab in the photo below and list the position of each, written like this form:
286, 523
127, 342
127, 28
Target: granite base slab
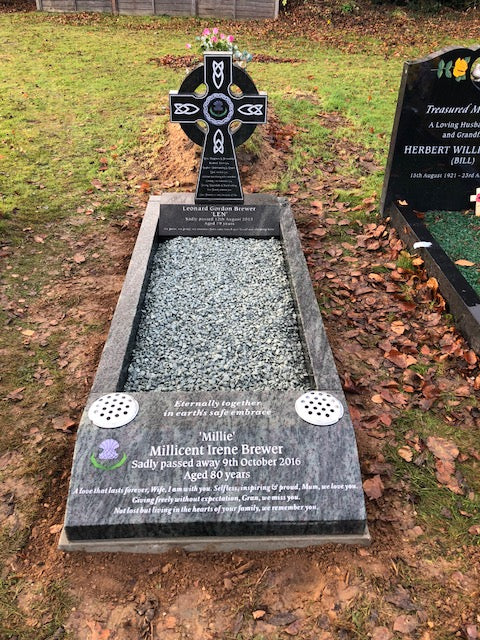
221, 470
207, 543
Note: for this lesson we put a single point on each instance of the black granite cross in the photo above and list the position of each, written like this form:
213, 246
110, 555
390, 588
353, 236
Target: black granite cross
218, 107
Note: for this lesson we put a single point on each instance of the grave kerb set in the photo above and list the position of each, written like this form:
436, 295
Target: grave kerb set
243, 469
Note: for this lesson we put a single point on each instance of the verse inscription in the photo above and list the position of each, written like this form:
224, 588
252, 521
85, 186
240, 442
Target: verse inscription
221, 498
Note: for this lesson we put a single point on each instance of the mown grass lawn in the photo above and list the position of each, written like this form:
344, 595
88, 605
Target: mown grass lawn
78, 97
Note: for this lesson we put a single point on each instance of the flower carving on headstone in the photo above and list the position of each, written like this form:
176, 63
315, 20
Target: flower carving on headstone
108, 457
457, 70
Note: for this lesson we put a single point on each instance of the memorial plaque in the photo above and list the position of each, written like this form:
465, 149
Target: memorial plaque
217, 464
434, 159
254, 218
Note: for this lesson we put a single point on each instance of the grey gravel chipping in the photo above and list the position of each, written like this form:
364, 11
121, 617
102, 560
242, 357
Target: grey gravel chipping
218, 315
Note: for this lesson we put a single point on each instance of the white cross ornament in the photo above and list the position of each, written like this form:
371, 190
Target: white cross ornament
476, 198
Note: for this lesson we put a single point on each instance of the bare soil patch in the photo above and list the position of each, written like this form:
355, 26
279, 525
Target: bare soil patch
186, 61
174, 166
12, 6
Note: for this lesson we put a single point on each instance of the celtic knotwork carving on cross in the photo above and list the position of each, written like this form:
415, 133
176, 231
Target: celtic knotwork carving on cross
207, 120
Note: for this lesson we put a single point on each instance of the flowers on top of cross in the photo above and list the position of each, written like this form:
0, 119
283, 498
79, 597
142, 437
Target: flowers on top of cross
214, 40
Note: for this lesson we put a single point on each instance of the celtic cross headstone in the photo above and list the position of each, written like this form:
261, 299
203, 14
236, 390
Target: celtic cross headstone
219, 120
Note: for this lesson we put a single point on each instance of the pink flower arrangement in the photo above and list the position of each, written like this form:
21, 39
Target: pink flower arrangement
213, 40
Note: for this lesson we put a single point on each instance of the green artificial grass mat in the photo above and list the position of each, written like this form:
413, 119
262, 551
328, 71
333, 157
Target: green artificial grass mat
458, 233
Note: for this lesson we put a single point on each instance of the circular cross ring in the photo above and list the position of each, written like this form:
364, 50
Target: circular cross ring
218, 109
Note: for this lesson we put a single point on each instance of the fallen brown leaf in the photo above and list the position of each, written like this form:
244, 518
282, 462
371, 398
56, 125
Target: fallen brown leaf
442, 449
16, 395
386, 419
445, 469
470, 356
258, 613
406, 453
444, 473
399, 359
63, 423
78, 258
432, 283
373, 487
398, 328
464, 263
56, 528
294, 628
405, 624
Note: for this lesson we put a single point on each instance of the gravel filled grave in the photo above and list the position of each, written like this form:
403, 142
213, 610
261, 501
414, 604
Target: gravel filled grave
218, 314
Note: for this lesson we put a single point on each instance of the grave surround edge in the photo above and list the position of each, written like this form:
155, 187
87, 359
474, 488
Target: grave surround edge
463, 302
112, 368
113, 365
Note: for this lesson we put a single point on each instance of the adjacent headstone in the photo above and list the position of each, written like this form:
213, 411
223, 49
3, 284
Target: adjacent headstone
434, 158
260, 465
434, 165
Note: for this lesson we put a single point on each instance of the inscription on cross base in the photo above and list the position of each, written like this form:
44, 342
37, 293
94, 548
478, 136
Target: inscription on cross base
218, 107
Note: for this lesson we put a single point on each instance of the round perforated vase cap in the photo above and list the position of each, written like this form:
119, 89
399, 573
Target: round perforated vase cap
113, 410
319, 408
